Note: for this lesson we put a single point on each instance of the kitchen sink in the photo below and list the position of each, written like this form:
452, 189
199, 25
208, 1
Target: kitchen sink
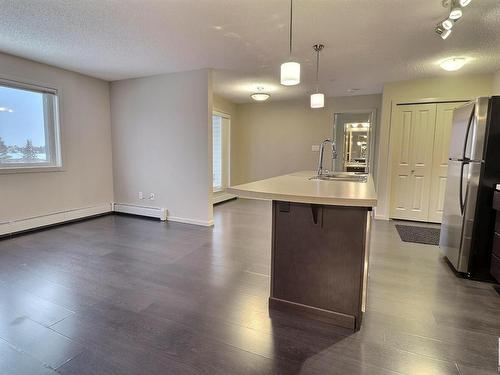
342, 176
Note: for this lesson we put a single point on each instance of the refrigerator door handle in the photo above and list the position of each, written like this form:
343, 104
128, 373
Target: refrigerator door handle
469, 127
461, 189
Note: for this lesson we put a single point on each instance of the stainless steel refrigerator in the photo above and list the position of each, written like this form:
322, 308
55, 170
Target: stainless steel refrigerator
473, 171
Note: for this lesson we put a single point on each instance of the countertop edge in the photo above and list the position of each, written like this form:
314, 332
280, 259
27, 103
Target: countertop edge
334, 201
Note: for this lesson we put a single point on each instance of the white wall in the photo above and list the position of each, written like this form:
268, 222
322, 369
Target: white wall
275, 138
496, 84
86, 179
436, 89
161, 128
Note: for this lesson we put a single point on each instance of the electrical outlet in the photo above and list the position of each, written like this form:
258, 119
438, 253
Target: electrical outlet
141, 195
315, 148
152, 196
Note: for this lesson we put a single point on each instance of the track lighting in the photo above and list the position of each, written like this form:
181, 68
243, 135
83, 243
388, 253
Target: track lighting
447, 23
456, 12
443, 29
442, 32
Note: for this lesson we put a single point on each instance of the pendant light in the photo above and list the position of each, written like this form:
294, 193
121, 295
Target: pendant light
290, 71
317, 99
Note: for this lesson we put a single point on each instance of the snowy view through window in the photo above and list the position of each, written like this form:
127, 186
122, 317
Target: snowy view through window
22, 127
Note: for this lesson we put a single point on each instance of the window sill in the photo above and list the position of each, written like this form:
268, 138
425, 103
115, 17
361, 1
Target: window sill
14, 170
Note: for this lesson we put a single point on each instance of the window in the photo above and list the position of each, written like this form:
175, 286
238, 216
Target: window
29, 133
217, 151
220, 136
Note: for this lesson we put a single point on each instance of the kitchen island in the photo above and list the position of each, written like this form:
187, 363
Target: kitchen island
320, 241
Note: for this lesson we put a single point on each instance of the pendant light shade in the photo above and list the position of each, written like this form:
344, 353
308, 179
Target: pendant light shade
317, 100
290, 73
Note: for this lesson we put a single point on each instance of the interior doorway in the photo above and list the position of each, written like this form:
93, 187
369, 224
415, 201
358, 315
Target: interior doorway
221, 136
353, 135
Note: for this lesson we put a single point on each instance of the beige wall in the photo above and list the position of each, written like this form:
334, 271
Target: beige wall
223, 105
274, 138
449, 88
161, 136
86, 179
496, 84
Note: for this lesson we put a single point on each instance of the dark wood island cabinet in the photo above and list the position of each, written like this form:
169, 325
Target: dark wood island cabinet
320, 242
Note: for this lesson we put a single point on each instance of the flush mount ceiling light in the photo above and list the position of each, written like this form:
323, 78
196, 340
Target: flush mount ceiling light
317, 99
290, 71
453, 64
260, 96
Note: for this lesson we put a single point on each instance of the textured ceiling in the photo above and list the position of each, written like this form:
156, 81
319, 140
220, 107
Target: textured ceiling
368, 42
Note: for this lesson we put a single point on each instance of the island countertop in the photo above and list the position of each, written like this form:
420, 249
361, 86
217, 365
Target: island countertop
297, 187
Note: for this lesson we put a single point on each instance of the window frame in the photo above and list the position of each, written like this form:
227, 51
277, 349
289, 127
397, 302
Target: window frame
51, 109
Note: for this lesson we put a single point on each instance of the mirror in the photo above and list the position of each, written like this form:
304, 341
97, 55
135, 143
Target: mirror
352, 132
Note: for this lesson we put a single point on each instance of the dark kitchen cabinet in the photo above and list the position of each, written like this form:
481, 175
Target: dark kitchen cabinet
495, 254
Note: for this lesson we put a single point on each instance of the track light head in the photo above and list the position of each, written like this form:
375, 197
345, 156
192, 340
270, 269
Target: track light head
464, 3
442, 32
455, 10
447, 23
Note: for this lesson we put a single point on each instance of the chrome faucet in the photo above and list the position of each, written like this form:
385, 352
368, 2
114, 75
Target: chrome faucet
322, 151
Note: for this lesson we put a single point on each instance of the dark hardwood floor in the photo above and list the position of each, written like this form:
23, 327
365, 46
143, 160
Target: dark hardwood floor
124, 295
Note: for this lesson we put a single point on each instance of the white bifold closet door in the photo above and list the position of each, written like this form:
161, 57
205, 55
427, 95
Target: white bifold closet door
420, 143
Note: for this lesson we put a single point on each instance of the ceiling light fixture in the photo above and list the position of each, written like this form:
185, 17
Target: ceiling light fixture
453, 64
456, 13
443, 29
260, 96
447, 24
442, 32
290, 71
317, 99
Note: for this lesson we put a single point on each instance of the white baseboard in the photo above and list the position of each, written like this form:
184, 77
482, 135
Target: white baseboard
222, 197
191, 221
34, 222
156, 212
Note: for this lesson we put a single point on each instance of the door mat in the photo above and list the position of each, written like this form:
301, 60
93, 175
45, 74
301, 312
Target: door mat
424, 235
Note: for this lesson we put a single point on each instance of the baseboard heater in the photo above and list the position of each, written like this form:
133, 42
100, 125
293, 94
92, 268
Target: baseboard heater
156, 212
54, 218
